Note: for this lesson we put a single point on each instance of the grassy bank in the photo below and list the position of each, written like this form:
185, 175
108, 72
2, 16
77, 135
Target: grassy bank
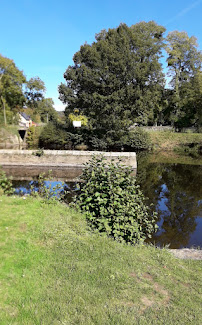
53, 271
169, 141
6, 131
12, 129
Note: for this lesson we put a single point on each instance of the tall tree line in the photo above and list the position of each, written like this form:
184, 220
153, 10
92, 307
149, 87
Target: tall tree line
18, 94
118, 80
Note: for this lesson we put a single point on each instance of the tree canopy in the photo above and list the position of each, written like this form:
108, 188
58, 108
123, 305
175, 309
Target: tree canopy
35, 89
18, 94
184, 62
11, 85
118, 80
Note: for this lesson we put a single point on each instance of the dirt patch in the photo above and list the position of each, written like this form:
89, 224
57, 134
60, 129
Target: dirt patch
129, 304
147, 302
158, 288
186, 253
23, 227
147, 276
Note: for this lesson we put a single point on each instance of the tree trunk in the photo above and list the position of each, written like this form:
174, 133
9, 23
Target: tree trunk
4, 109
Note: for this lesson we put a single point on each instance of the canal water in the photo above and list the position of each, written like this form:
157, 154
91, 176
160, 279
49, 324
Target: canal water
172, 184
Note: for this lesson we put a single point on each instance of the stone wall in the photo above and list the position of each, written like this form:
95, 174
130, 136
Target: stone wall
60, 157
9, 140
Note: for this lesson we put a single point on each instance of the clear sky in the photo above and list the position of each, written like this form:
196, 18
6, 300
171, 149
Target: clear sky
41, 36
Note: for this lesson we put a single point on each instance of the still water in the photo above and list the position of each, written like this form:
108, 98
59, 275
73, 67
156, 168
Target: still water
176, 192
174, 189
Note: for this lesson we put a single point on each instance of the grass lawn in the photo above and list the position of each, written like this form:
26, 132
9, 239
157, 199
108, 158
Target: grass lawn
53, 271
169, 140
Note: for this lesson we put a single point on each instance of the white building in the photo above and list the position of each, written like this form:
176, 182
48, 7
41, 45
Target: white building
24, 120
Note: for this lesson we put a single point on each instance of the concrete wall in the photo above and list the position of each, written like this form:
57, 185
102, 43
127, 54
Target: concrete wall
9, 141
60, 157
158, 128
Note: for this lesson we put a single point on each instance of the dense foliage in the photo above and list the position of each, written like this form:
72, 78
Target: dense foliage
184, 63
11, 92
18, 94
118, 80
113, 203
32, 138
58, 136
5, 184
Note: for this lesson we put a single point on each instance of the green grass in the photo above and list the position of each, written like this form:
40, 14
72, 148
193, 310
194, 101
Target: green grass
171, 140
10, 129
53, 271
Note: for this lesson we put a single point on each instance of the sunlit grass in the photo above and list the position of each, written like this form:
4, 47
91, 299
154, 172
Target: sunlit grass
53, 271
169, 140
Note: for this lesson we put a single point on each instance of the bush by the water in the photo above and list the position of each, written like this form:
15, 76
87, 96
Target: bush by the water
138, 140
5, 184
113, 203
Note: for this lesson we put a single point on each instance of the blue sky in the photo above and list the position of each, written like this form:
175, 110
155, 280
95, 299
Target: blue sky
41, 36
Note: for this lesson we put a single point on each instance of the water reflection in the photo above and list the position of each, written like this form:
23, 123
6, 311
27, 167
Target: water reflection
58, 188
176, 192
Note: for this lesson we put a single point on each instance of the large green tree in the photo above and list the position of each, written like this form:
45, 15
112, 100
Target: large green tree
184, 62
11, 86
46, 110
35, 89
117, 80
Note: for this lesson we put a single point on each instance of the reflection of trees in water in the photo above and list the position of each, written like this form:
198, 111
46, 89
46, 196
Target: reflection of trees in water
180, 186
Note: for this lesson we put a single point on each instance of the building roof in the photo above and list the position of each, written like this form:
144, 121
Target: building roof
26, 117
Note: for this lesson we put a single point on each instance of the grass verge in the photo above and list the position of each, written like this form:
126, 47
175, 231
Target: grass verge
53, 271
171, 140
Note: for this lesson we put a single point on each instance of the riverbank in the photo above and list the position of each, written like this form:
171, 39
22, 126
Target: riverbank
186, 253
54, 271
164, 140
10, 138
174, 141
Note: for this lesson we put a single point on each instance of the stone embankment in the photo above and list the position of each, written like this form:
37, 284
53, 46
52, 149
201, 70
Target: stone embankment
187, 253
9, 140
52, 158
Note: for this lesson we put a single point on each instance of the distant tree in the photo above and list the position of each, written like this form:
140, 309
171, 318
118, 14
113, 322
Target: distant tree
35, 89
11, 86
117, 80
196, 102
46, 110
184, 62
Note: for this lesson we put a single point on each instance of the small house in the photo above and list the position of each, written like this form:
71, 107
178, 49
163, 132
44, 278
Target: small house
25, 120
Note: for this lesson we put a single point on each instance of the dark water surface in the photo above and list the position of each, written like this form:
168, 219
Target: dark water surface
176, 192
175, 189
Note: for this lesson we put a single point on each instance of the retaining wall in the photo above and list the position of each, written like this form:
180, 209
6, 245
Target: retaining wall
66, 158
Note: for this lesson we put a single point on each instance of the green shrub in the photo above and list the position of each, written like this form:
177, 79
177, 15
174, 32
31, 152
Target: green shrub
113, 203
43, 188
53, 136
32, 138
138, 139
97, 144
5, 184
192, 150
38, 153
